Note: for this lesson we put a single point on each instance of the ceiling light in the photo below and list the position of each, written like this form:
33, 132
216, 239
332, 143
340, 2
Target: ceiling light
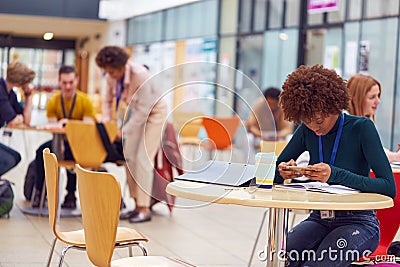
48, 36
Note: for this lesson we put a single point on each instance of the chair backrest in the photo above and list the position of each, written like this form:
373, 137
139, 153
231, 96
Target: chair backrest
389, 220
100, 199
85, 142
270, 146
51, 174
221, 130
181, 118
191, 128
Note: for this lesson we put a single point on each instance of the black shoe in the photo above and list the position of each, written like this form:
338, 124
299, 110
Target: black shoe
127, 215
69, 202
140, 217
36, 199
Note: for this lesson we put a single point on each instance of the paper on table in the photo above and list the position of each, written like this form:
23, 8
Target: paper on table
319, 187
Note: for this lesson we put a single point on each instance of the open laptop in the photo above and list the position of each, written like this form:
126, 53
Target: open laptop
222, 173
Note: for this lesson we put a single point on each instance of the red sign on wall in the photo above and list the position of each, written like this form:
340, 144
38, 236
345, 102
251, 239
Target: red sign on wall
320, 6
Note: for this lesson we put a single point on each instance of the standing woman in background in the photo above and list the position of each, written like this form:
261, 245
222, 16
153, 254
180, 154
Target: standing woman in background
365, 92
11, 112
143, 123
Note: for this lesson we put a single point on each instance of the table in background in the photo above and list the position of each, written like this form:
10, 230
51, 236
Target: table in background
279, 201
58, 137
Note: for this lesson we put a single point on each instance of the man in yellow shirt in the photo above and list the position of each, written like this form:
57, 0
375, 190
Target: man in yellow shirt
69, 103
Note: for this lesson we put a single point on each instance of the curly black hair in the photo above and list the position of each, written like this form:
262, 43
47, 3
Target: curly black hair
310, 90
112, 56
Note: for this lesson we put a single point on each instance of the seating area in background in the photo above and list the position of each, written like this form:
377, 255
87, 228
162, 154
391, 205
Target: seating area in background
125, 237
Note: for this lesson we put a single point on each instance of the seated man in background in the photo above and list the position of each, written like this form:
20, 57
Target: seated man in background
11, 112
67, 104
260, 122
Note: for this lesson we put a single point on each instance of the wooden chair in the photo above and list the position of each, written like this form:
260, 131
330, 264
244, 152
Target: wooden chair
125, 237
85, 143
100, 202
220, 132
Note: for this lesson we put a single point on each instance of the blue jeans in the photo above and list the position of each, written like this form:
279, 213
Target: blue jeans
333, 242
9, 158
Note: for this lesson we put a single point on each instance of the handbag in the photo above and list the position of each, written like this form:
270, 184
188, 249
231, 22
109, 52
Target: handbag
114, 150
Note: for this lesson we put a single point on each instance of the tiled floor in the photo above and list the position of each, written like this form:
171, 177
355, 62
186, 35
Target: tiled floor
204, 235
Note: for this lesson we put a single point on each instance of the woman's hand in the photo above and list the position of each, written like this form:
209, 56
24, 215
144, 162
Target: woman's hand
320, 172
288, 173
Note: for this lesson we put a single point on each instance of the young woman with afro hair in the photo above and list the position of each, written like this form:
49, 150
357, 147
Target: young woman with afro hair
343, 149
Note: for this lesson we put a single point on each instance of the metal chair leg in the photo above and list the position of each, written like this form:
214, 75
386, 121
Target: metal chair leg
63, 254
51, 252
258, 236
130, 251
144, 251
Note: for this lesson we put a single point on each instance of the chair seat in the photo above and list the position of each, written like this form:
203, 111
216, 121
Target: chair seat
146, 261
124, 235
189, 141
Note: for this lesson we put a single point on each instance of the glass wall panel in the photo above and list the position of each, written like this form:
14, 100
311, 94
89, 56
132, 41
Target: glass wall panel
245, 16
354, 12
314, 19
338, 16
292, 13
226, 76
229, 16
275, 14
280, 56
146, 28
260, 16
250, 63
351, 48
375, 9
194, 20
381, 65
325, 47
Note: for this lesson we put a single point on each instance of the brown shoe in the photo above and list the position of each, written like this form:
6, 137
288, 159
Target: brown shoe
69, 202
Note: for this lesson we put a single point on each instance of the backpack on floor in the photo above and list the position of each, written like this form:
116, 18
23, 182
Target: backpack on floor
29, 180
6, 197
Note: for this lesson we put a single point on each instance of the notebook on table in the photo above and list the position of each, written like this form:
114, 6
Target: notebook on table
222, 173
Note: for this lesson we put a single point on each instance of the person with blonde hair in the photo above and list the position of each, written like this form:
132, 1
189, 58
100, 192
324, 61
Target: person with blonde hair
365, 93
11, 111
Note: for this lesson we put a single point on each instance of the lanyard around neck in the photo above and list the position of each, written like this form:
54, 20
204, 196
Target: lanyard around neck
71, 109
119, 90
335, 146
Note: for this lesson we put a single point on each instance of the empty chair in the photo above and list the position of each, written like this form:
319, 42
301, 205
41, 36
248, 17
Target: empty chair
100, 199
125, 237
220, 132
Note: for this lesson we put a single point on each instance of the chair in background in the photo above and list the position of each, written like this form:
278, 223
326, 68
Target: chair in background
269, 146
389, 220
85, 143
125, 237
100, 203
220, 132
188, 125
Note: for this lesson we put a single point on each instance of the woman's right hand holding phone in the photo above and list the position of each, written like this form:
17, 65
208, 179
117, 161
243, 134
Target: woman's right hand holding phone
288, 173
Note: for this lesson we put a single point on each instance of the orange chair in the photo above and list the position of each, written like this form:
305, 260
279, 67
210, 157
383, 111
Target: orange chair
220, 132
